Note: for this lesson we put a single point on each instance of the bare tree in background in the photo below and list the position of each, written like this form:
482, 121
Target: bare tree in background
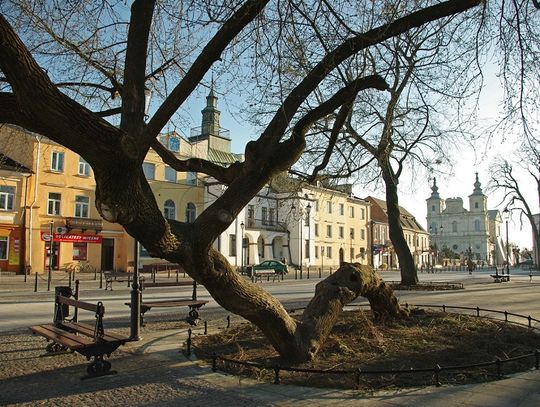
508, 177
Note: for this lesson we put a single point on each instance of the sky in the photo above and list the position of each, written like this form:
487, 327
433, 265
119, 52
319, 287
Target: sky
414, 192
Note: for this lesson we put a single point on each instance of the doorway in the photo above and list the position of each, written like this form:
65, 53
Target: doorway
107, 254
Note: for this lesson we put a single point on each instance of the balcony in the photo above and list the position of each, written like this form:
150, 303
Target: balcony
265, 224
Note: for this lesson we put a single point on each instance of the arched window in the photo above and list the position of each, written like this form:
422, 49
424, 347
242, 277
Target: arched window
191, 212
169, 209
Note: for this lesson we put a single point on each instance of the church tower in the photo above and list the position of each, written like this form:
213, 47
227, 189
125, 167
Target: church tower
435, 205
210, 115
477, 200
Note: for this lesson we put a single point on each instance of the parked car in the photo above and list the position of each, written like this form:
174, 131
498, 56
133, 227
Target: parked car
277, 266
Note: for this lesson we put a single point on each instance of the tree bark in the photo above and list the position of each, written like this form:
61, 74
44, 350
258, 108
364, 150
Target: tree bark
409, 275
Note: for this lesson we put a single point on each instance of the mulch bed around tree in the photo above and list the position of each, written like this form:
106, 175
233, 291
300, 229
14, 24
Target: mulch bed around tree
424, 340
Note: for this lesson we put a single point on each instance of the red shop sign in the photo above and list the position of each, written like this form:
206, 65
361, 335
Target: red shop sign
71, 237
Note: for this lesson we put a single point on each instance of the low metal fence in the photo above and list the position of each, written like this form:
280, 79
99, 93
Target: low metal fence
357, 373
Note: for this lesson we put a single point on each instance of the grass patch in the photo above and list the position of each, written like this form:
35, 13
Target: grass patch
426, 339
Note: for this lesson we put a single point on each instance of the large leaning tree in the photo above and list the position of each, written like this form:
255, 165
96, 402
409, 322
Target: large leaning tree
65, 102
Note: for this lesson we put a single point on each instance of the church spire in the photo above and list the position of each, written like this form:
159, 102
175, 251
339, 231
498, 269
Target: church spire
434, 189
477, 187
210, 114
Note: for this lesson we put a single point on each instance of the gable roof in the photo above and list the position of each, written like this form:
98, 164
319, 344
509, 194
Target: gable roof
379, 212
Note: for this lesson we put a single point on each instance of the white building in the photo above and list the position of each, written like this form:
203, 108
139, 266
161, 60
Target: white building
461, 233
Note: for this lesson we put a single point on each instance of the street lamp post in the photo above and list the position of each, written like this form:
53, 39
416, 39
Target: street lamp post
506, 215
242, 226
51, 248
135, 307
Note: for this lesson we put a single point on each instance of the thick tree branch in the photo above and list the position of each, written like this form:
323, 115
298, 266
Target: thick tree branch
135, 74
225, 175
210, 54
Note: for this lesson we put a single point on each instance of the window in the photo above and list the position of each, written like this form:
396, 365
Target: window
432, 208
80, 251
169, 209
191, 212
82, 206
454, 226
271, 213
170, 174
149, 170
351, 233
362, 213
3, 247
328, 230
352, 254
264, 212
191, 178
232, 245
341, 232
329, 252
341, 209
316, 205
7, 195
53, 204
351, 211
174, 144
316, 229
57, 161
84, 167
328, 207
476, 205
306, 247
251, 216
362, 234
316, 252
477, 225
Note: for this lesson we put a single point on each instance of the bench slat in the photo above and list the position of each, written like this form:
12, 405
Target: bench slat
172, 303
58, 335
88, 330
168, 284
76, 303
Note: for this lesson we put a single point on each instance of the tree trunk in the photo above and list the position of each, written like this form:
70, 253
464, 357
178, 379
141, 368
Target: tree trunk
295, 341
409, 275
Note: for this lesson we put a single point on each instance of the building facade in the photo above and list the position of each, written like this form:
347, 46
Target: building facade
382, 249
460, 234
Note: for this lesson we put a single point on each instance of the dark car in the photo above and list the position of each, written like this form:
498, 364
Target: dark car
275, 265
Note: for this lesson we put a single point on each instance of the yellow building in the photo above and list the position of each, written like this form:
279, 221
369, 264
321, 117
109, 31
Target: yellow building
340, 223
49, 205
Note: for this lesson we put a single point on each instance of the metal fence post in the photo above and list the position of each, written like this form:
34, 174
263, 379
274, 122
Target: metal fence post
188, 343
35, 284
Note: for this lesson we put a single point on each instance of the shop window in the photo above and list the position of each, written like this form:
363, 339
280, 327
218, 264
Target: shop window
7, 195
57, 161
82, 206
53, 203
80, 251
3, 247
169, 209
84, 167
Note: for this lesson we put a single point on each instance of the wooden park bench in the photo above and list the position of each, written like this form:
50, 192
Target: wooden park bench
193, 303
116, 277
257, 275
88, 340
500, 277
